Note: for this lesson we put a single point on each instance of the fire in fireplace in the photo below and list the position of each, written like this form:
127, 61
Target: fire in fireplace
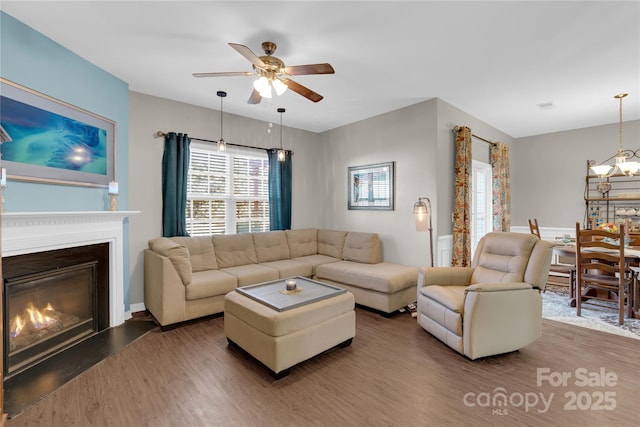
53, 300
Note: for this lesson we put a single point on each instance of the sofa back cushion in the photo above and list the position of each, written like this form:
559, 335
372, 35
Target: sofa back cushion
302, 242
270, 246
331, 242
234, 249
177, 254
362, 247
200, 252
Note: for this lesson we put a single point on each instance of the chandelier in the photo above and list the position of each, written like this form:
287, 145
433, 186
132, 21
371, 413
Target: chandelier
621, 165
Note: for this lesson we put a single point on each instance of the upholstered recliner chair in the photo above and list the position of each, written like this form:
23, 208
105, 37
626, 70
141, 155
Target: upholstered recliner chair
495, 305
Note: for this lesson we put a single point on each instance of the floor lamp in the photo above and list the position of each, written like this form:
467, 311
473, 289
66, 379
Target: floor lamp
422, 212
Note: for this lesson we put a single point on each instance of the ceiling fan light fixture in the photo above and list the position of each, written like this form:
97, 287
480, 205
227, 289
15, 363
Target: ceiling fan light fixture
266, 92
261, 84
270, 72
279, 87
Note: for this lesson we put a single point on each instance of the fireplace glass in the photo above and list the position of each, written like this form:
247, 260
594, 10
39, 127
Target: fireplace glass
48, 311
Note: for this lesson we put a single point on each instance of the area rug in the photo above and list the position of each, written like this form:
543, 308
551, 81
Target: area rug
555, 306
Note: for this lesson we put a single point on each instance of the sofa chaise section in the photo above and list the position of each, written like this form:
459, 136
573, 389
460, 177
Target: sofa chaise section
383, 286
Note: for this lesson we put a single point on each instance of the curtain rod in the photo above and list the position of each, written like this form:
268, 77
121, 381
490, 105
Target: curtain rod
161, 134
493, 144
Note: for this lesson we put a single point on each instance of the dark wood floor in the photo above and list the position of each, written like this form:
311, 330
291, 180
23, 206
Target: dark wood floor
25, 388
394, 374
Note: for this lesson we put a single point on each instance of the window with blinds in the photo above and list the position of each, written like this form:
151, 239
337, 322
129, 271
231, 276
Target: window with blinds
228, 192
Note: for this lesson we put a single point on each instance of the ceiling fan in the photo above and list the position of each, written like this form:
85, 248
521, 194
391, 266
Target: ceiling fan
273, 74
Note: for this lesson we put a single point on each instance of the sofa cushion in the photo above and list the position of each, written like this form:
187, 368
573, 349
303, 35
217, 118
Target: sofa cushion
177, 254
290, 268
362, 247
331, 242
384, 277
270, 246
302, 242
252, 274
234, 249
210, 283
201, 252
315, 261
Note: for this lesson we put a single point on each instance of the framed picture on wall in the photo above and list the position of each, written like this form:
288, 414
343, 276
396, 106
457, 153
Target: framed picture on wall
371, 186
48, 140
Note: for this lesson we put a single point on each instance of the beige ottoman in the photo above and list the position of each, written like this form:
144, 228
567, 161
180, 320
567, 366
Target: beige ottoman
282, 339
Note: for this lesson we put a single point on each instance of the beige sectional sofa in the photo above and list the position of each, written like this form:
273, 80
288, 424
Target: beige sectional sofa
188, 277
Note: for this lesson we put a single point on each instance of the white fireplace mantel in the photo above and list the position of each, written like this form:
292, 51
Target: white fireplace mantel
28, 232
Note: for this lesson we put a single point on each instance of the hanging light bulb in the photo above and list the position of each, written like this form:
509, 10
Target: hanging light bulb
282, 155
222, 146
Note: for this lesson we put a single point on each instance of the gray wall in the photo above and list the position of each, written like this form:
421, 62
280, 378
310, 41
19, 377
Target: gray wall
549, 171
407, 137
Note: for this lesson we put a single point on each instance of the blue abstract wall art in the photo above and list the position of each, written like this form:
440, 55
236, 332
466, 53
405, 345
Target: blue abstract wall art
54, 141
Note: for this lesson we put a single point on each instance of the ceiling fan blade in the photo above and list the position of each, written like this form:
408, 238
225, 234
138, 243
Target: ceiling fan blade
255, 97
231, 73
247, 53
299, 70
302, 90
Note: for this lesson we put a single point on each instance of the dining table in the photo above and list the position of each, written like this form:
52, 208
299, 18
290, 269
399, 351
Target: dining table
631, 255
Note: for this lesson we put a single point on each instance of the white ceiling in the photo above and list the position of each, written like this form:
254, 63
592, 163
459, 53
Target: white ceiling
496, 60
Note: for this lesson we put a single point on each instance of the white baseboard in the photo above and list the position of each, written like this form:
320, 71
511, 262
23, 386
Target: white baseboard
134, 308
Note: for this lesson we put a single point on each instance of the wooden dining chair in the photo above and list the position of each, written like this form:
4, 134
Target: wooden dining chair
533, 226
602, 272
560, 274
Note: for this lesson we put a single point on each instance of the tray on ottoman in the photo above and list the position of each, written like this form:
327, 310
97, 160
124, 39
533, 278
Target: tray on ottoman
274, 294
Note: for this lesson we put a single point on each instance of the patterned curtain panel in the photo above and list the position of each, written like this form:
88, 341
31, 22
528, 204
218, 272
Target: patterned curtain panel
501, 187
461, 256
175, 167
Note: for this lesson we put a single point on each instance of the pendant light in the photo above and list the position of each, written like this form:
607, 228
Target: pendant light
621, 165
282, 155
222, 146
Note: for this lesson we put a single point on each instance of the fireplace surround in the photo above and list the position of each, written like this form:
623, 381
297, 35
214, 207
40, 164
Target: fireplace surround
29, 232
